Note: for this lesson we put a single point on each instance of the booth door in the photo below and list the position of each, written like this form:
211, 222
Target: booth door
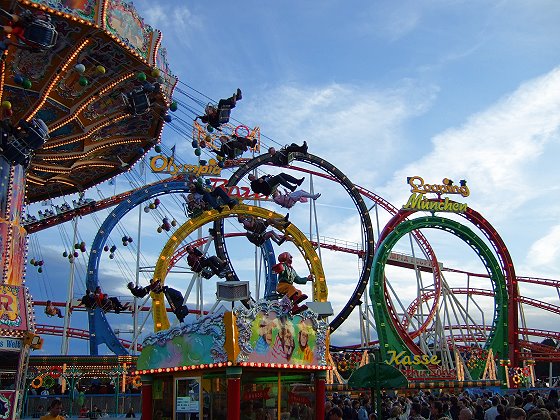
188, 399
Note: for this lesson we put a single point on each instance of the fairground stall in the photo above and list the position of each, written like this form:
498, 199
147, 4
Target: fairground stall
226, 365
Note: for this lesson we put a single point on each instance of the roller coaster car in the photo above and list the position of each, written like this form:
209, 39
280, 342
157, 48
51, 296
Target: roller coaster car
137, 101
18, 145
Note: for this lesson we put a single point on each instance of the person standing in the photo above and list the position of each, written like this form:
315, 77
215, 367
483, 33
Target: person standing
54, 411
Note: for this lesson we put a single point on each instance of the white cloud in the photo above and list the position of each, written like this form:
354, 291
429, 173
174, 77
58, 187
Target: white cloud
175, 22
546, 250
496, 150
358, 128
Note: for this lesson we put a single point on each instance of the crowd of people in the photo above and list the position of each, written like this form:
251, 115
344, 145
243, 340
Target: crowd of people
522, 405
56, 411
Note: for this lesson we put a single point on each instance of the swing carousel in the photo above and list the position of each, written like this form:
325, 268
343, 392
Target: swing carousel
90, 113
85, 90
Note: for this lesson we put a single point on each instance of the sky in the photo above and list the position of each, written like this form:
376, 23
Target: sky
384, 90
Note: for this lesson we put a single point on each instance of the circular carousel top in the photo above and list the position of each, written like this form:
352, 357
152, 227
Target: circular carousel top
94, 72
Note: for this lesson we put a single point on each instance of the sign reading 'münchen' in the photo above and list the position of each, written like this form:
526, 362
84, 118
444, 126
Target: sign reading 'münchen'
419, 201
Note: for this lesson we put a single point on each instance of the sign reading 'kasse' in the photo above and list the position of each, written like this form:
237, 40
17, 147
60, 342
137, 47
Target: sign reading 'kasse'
419, 202
403, 359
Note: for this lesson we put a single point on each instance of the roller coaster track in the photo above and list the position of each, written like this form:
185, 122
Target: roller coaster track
73, 333
112, 201
411, 310
84, 309
539, 352
89, 208
533, 280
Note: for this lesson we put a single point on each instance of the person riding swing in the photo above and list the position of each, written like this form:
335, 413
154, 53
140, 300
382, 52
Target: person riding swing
216, 116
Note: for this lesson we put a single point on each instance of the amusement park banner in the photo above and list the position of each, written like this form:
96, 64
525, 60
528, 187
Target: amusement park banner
13, 237
6, 403
268, 333
419, 189
12, 307
199, 343
167, 165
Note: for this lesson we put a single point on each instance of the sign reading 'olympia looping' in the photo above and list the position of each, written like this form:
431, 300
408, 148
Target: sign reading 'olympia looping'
419, 189
167, 165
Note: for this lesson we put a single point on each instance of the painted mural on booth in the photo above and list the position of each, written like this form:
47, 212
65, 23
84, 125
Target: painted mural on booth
199, 343
268, 333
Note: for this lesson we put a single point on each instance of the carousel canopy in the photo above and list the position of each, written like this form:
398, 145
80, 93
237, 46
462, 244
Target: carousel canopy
95, 74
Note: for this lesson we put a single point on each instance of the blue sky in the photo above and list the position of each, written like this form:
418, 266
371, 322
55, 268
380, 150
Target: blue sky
384, 90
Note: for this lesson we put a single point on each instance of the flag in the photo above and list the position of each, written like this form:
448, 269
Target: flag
173, 151
112, 181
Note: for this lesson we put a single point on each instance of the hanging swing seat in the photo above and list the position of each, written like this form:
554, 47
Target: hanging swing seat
137, 102
39, 35
223, 114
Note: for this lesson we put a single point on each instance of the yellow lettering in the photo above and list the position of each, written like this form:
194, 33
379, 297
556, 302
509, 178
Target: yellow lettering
394, 357
406, 360
416, 188
412, 201
172, 167
154, 163
161, 163
419, 202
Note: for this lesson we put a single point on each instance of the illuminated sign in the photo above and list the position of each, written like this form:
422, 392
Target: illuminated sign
418, 200
9, 306
417, 185
167, 165
10, 344
242, 192
403, 359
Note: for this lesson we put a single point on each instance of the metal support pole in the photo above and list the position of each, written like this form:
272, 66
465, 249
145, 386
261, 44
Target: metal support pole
135, 302
67, 313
